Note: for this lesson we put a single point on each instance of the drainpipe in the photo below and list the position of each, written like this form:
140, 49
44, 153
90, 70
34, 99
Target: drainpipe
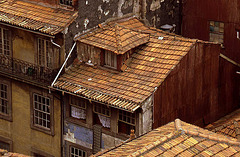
63, 64
55, 43
153, 104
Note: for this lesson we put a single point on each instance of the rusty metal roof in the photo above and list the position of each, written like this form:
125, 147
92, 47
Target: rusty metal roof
116, 38
177, 139
35, 17
150, 64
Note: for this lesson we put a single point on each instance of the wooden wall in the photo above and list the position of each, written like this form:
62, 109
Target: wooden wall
196, 17
190, 92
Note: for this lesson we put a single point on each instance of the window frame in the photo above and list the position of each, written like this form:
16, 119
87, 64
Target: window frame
45, 53
39, 152
217, 32
66, 4
2, 39
34, 126
94, 104
77, 106
9, 94
106, 59
70, 144
7, 141
125, 122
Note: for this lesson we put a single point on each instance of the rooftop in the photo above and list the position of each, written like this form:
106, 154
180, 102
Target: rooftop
5, 153
115, 38
149, 65
228, 125
177, 139
35, 17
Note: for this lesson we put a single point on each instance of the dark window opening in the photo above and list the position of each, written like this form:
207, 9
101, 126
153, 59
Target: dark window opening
4, 145
66, 2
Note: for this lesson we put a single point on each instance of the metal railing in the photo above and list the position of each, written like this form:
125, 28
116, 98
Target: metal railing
26, 70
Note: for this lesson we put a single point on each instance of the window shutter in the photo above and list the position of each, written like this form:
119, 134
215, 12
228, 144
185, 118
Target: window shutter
97, 138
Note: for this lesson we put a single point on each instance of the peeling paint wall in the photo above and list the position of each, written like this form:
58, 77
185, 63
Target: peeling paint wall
160, 12
147, 115
93, 12
109, 141
78, 135
84, 137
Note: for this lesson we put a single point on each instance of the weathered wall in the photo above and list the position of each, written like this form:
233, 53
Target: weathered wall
161, 12
196, 17
23, 45
190, 92
19, 131
93, 12
147, 115
229, 86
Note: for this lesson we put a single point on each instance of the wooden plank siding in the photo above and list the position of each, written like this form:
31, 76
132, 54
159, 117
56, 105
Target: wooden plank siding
190, 92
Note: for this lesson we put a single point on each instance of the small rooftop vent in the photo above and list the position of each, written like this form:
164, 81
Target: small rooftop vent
168, 28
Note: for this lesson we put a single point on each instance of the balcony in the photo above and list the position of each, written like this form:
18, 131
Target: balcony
25, 71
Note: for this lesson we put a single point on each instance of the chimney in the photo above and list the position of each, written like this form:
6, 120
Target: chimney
237, 130
132, 135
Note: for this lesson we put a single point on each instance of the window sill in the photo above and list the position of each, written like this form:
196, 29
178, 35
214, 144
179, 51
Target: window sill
66, 7
6, 117
41, 129
78, 122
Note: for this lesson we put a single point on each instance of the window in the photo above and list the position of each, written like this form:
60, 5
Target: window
39, 153
102, 115
111, 59
5, 42
45, 53
127, 121
42, 111
75, 152
4, 145
66, 2
5, 100
216, 32
78, 108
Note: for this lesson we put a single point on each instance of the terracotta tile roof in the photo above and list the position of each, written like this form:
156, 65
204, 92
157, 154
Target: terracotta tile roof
5, 153
150, 64
35, 17
177, 139
228, 125
115, 38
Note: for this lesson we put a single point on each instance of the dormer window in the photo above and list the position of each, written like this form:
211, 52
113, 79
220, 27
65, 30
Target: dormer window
66, 2
110, 59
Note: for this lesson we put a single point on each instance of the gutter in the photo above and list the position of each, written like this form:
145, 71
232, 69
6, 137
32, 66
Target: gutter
59, 72
25, 29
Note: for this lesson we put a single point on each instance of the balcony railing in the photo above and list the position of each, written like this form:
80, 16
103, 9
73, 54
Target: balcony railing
26, 71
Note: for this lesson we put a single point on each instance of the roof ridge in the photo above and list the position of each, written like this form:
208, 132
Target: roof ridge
118, 38
154, 144
210, 137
